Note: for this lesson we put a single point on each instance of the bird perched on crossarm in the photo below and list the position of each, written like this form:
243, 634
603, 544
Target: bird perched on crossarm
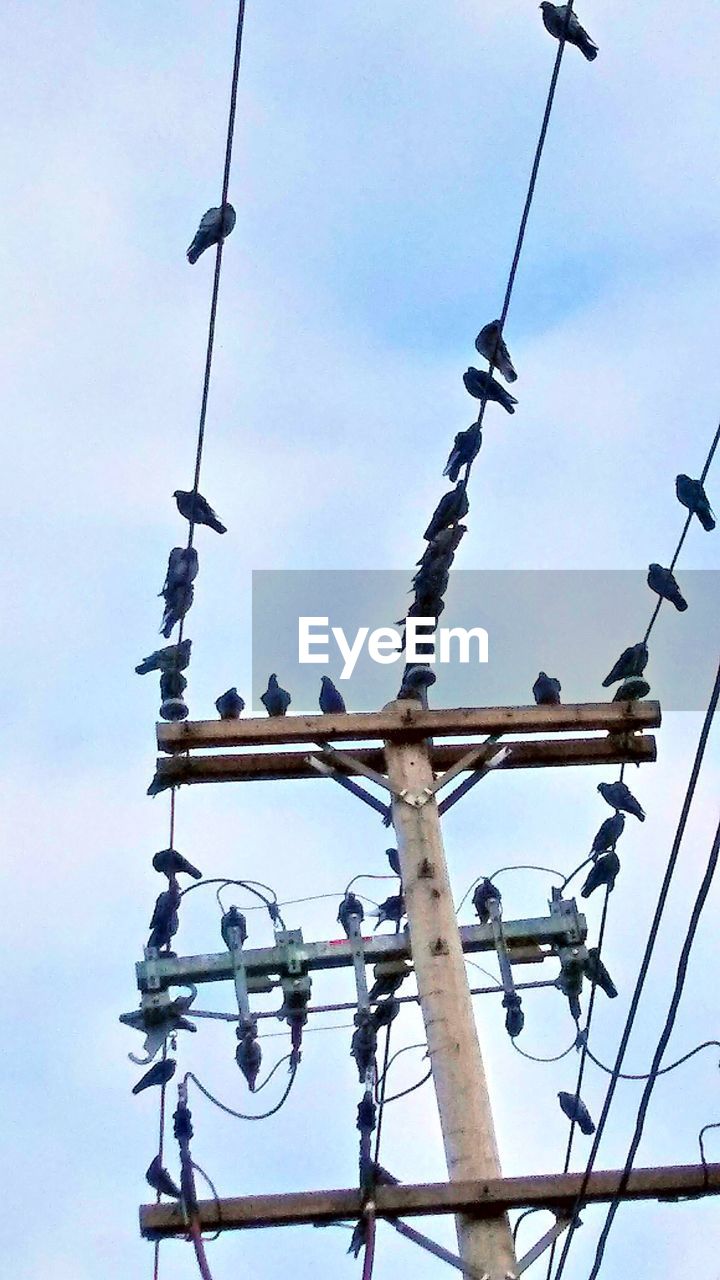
331, 700
275, 699
546, 690
392, 909
485, 893
230, 705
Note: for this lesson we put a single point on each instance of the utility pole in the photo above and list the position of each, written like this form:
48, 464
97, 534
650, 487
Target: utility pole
471, 1152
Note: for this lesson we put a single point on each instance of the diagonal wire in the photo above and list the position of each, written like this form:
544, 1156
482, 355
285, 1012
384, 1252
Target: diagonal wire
647, 956
662, 1044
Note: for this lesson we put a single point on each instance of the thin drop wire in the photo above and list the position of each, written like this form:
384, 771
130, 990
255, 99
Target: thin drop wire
701, 1144
647, 955
629, 1075
239, 1115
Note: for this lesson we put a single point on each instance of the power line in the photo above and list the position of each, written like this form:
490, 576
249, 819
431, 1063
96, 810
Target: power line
647, 956
680, 979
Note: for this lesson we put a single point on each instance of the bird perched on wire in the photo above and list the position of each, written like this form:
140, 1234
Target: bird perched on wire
160, 1180
555, 17
363, 1045
275, 700
392, 909
415, 680
214, 226
183, 566
388, 978
443, 546
662, 582
233, 928
331, 700
546, 691
693, 496
482, 386
178, 601
432, 578
204, 513
575, 1109
230, 705
632, 662
491, 344
597, 974
170, 863
165, 920
608, 834
350, 906
393, 858
358, 1240
605, 871
619, 796
174, 657
632, 689
485, 893
465, 450
453, 506
159, 1074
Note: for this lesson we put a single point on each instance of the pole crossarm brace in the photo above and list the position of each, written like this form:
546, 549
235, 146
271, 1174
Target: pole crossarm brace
404, 722
523, 939
557, 1192
273, 766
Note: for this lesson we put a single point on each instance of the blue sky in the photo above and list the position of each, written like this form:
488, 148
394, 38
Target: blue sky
382, 152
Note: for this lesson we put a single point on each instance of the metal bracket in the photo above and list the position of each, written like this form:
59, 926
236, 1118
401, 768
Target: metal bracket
496, 762
344, 757
532, 1255
157, 1017
347, 783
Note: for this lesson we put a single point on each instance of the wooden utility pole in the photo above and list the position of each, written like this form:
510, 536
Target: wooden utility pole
471, 1152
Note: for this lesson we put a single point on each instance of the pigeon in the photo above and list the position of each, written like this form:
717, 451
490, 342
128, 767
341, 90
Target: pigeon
433, 577
555, 17
575, 1109
619, 796
385, 1012
203, 512
165, 921
414, 680
160, 1180
350, 906
464, 451
597, 974
393, 909
359, 1235
609, 834
632, 662
546, 691
230, 705
444, 544
514, 1017
275, 700
213, 228
569, 981
386, 984
170, 863
183, 566
451, 508
172, 685
693, 496
485, 893
483, 387
491, 344
248, 1056
394, 859
177, 603
363, 1045
605, 871
662, 581
631, 689
159, 1073
332, 702
232, 920
175, 657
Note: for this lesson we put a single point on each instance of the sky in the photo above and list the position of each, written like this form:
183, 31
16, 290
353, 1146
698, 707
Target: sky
381, 159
